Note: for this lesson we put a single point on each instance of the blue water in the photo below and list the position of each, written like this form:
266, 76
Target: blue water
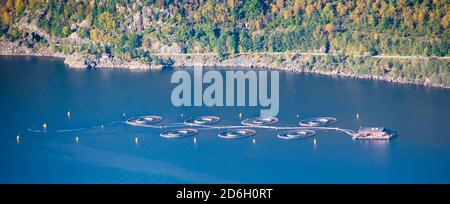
42, 90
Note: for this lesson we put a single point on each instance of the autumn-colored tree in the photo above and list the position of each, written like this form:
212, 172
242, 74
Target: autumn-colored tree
6, 17
231, 4
329, 28
287, 14
94, 33
106, 22
19, 7
341, 9
310, 9
9, 5
258, 25
280, 3
446, 21
298, 6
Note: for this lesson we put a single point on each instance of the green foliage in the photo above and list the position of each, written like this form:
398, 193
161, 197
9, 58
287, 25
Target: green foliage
378, 27
83, 33
134, 41
245, 41
13, 34
400, 27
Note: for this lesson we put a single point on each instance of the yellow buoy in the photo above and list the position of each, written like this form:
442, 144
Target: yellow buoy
315, 141
44, 125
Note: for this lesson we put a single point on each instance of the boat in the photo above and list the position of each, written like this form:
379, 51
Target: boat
374, 133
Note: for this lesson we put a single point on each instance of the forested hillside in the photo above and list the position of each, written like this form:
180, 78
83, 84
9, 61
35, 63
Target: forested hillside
130, 28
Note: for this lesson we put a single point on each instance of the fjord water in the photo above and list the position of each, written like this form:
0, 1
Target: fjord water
35, 91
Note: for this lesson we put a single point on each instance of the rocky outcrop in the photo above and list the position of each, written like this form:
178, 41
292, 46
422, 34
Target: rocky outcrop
294, 64
92, 61
9, 48
158, 47
75, 61
19, 49
138, 21
298, 64
118, 63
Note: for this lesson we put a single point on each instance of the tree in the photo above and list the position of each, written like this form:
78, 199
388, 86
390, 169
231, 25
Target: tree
245, 41
259, 43
9, 5
20, 7
341, 9
298, 4
231, 4
65, 31
106, 22
329, 28
83, 33
6, 17
221, 45
184, 33
446, 21
94, 34
231, 45
134, 40
254, 8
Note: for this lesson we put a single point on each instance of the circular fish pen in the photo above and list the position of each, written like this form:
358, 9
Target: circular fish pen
296, 134
237, 133
179, 133
259, 121
202, 120
143, 121
319, 121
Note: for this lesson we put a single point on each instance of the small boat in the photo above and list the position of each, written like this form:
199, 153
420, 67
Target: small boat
375, 133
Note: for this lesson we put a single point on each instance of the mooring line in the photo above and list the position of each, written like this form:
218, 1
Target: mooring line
198, 126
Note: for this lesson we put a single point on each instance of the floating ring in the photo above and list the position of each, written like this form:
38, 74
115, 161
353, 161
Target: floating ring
237, 133
178, 133
319, 121
296, 134
259, 121
143, 120
202, 120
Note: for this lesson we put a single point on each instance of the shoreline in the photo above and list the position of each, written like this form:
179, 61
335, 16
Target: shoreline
77, 61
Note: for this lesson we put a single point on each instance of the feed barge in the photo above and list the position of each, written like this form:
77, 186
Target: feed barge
374, 133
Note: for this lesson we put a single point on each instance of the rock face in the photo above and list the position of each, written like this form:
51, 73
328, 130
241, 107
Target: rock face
9, 48
158, 47
118, 63
16, 48
138, 21
91, 61
74, 39
75, 61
